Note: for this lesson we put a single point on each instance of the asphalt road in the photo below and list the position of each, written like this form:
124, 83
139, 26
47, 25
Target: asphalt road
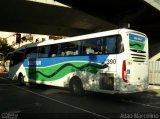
38, 101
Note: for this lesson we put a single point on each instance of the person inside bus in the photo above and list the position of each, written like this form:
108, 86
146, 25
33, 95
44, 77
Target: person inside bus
89, 50
63, 53
106, 49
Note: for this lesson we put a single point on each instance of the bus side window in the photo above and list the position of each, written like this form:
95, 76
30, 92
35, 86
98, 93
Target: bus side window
89, 50
110, 44
92, 46
70, 48
44, 51
120, 46
29, 52
63, 49
99, 44
76, 45
53, 50
86, 47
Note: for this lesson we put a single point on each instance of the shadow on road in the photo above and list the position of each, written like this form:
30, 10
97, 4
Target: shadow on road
149, 97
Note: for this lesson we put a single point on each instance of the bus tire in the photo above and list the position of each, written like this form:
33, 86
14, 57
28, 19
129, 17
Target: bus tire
21, 79
76, 86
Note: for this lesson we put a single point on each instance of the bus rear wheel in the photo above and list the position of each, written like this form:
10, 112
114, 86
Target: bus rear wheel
77, 87
21, 79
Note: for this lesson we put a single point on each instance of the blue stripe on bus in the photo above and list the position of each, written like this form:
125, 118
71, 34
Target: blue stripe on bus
136, 38
44, 62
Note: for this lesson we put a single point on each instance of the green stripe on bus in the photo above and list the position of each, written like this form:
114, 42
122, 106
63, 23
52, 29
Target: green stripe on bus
55, 72
136, 45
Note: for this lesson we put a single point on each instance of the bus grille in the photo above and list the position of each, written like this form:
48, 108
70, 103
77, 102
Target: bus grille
107, 81
138, 58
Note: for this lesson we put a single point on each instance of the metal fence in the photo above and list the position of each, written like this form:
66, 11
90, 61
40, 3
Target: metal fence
154, 72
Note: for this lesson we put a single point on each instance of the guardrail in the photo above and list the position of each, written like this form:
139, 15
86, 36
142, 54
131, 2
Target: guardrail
154, 72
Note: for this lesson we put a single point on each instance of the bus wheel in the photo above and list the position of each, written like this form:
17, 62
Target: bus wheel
76, 87
21, 79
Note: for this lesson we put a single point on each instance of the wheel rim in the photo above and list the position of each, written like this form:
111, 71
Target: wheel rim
75, 88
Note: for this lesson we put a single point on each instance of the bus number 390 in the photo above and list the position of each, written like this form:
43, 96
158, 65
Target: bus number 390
111, 61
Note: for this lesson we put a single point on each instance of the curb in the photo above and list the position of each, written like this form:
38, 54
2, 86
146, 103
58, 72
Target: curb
156, 87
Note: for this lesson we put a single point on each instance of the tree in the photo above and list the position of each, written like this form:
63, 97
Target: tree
4, 47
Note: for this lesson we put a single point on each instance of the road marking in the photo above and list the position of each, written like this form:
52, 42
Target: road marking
66, 104
123, 100
142, 104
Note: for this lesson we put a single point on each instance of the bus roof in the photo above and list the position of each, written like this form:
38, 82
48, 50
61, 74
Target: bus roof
76, 38
87, 36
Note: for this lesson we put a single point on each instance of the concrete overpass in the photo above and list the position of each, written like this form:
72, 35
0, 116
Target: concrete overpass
81, 17
33, 17
142, 15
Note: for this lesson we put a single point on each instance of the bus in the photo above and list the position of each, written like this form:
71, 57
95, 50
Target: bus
114, 61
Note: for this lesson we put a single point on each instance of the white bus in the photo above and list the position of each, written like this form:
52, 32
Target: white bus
114, 61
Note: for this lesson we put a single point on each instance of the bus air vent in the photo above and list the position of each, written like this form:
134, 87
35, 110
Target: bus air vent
138, 58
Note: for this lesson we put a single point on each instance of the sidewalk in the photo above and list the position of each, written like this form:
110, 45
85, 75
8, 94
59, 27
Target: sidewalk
156, 87
7, 81
4, 78
4, 75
